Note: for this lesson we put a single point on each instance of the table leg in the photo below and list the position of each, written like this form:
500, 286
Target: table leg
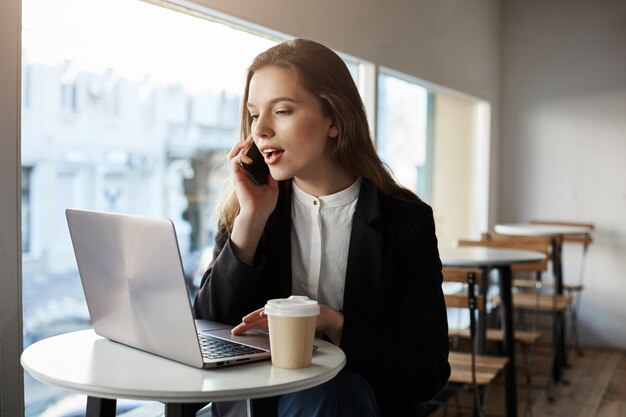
183, 409
100, 407
559, 341
557, 362
263, 407
508, 343
482, 316
556, 265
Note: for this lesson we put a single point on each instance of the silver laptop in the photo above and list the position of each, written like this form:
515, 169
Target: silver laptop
132, 276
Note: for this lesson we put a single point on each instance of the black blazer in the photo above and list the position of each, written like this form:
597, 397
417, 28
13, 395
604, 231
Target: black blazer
395, 328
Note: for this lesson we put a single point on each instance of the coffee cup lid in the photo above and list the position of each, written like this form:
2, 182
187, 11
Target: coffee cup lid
294, 306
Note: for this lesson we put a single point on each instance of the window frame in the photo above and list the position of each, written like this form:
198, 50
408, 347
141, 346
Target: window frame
26, 208
11, 374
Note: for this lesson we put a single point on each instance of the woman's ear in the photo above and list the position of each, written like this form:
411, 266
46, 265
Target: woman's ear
333, 132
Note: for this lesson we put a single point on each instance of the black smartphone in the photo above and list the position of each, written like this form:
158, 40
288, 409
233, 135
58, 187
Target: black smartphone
258, 169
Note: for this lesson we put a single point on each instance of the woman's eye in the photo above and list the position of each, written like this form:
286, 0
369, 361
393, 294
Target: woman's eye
283, 112
254, 116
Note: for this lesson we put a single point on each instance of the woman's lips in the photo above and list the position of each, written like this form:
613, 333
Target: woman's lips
272, 155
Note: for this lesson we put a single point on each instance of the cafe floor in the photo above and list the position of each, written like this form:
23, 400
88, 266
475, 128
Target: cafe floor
594, 386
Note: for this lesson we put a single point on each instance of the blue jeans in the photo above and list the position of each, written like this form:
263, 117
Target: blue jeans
346, 395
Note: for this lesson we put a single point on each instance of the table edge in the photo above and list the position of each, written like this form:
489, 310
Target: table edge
185, 396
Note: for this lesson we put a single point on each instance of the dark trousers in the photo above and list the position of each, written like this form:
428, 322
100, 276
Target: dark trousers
346, 395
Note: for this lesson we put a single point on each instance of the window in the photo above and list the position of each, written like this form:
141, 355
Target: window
437, 144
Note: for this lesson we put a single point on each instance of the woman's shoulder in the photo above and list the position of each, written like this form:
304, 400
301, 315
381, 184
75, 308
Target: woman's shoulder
398, 202
407, 217
405, 202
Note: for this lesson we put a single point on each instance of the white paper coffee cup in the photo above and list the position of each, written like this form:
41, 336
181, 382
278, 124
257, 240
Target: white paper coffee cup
292, 330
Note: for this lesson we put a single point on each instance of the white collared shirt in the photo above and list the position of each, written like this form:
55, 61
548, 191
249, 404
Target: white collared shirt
320, 238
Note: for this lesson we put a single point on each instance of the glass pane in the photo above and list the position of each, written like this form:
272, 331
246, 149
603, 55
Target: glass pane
353, 67
401, 130
26, 215
118, 114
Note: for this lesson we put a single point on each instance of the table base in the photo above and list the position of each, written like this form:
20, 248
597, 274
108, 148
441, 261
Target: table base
104, 407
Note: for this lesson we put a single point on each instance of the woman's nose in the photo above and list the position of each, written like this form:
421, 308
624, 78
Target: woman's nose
262, 127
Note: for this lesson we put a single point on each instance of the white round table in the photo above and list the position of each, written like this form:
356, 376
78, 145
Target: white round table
89, 364
499, 259
528, 229
492, 257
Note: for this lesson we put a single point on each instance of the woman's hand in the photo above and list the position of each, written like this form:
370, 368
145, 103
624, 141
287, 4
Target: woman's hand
257, 318
256, 203
255, 200
329, 322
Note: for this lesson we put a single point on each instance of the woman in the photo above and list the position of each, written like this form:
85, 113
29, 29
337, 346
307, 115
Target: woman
331, 224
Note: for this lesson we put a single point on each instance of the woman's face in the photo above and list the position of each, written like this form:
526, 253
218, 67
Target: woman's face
288, 125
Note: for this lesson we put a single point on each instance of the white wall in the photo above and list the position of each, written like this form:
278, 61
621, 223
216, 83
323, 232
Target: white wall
564, 139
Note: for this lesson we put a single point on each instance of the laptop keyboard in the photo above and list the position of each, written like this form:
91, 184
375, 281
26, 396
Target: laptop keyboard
214, 348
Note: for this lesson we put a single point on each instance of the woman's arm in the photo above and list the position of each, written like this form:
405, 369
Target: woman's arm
228, 286
221, 282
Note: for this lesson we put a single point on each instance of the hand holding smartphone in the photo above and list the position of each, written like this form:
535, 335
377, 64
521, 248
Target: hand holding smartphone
258, 169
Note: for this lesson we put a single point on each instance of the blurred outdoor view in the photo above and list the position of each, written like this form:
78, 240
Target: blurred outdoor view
126, 107
402, 131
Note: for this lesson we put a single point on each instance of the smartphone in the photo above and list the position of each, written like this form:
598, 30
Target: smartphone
258, 169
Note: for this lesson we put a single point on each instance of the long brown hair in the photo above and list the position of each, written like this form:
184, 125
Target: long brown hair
323, 73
